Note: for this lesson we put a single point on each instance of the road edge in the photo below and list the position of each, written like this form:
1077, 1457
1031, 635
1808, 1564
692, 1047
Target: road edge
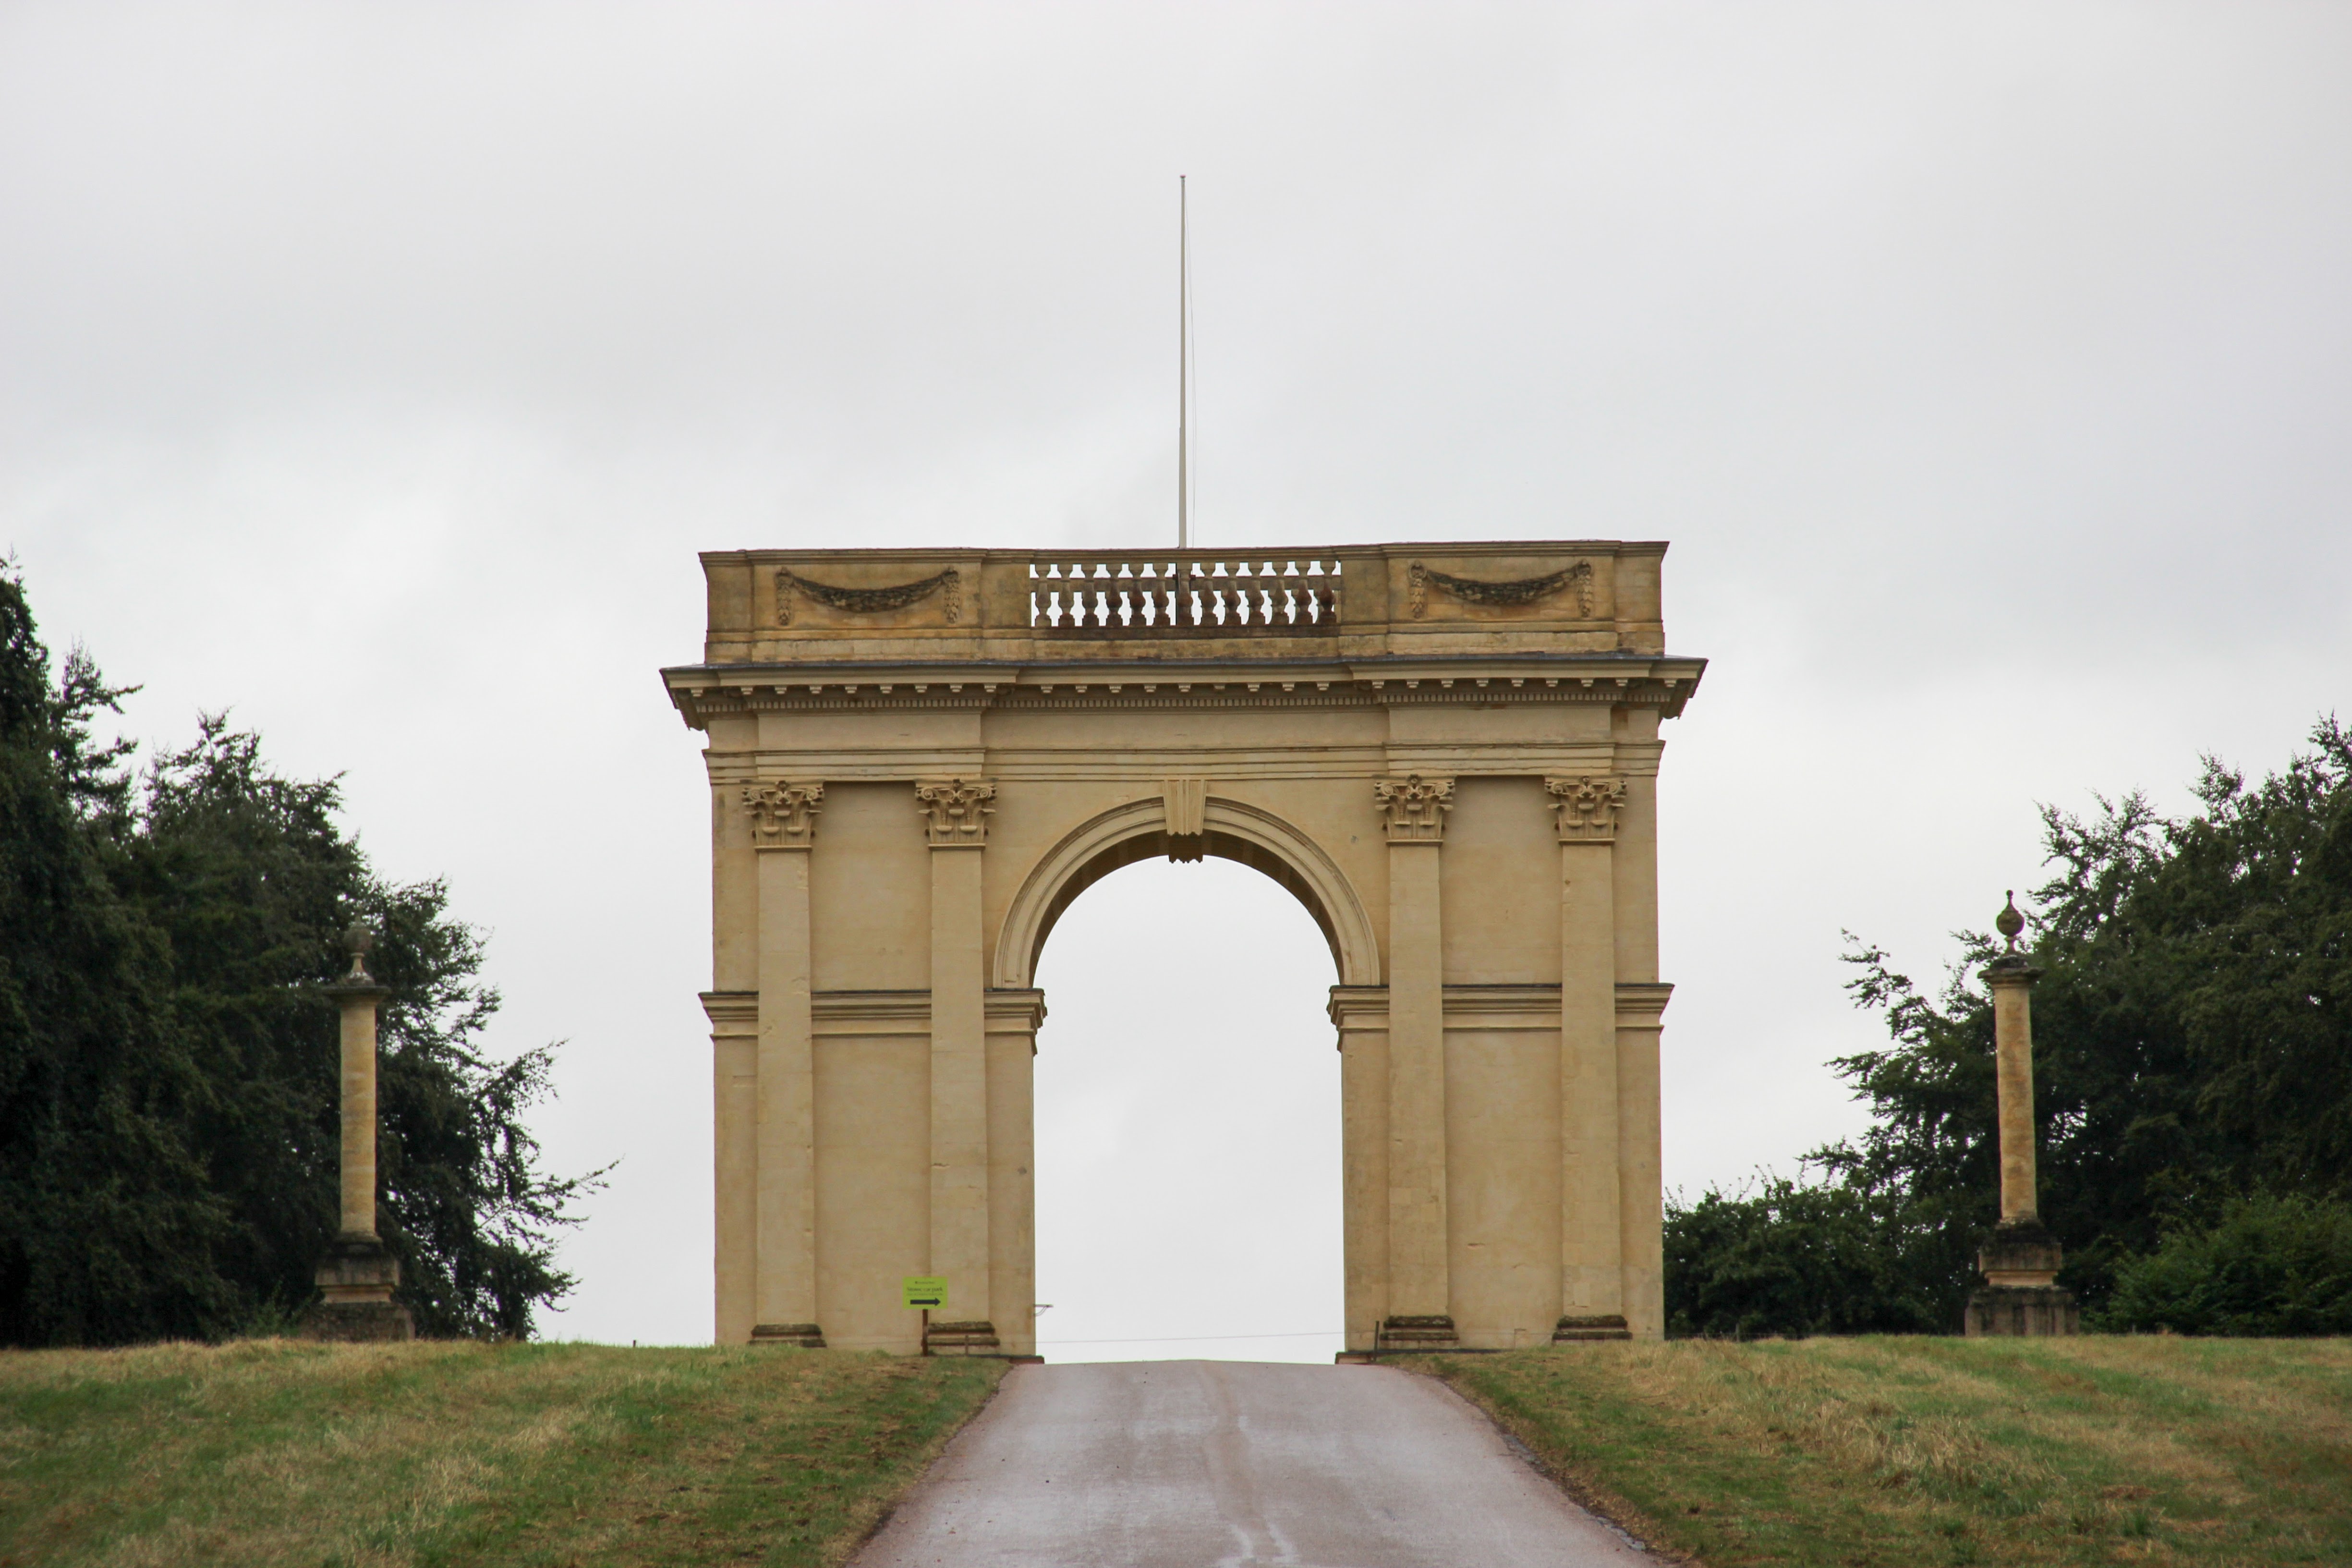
843, 1548
1594, 1498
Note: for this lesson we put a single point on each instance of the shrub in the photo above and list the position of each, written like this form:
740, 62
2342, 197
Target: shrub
2270, 1266
1797, 1259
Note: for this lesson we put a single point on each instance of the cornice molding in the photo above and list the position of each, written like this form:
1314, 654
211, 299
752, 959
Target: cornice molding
1013, 1010
1641, 1005
732, 1013
707, 691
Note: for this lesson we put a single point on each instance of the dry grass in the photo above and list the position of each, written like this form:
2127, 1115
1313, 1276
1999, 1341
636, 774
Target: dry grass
1929, 1451
277, 1452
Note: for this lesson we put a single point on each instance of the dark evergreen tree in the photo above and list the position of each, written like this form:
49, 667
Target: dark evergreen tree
168, 1117
108, 1226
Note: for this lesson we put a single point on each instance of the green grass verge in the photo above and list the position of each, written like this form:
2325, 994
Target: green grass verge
272, 1452
1919, 1452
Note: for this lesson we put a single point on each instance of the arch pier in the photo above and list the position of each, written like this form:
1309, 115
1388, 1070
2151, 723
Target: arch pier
1447, 753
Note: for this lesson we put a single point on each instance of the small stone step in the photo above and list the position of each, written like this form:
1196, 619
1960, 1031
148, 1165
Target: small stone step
1607, 1326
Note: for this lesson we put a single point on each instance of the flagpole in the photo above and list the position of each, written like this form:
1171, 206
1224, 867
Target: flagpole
1183, 370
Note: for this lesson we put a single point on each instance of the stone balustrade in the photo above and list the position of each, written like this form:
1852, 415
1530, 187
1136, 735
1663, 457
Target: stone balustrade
1168, 595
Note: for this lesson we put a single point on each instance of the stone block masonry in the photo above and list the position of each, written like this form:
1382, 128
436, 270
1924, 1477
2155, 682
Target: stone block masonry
1447, 753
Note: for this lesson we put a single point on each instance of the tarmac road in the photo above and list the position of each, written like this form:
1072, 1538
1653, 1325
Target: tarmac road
1190, 1464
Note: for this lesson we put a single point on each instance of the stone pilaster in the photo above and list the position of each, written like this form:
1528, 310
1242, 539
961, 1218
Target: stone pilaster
1585, 811
784, 832
1360, 1014
1014, 1017
955, 822
1641, 1009
734, 1160
1420, 1311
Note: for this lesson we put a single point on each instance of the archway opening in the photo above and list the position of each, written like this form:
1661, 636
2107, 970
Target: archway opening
1188, 1161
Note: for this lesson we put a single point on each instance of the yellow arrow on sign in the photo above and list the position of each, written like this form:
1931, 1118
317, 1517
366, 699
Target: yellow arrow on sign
925, 1290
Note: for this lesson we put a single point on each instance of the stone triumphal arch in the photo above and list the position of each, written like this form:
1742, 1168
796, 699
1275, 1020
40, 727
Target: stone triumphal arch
1448, 753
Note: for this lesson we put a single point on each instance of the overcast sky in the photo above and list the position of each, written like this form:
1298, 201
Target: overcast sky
377, 371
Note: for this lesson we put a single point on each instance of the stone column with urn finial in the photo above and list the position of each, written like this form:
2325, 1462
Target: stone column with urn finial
2019, 1261
358, 1274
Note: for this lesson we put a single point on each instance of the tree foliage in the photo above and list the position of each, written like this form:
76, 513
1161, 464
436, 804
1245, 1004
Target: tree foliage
2270, 1266
1798, 1259
168, 1087
2192, 1037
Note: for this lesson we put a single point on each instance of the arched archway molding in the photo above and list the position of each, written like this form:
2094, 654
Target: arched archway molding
1234, 830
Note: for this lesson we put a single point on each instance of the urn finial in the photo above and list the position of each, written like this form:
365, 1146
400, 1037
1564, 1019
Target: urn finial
358, 941
2008, 922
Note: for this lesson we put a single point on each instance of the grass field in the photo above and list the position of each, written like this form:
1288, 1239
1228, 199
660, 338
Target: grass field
1922, 1452
278, 1452
1907, 1452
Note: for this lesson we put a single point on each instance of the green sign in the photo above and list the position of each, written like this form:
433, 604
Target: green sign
923, 1290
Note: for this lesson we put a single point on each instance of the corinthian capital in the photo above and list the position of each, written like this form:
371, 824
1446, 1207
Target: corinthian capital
783, 814
1585, 809
1416, 807
956, 810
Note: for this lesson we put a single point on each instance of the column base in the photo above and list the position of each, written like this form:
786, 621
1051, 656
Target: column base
801, 1336
2020, 1295
358, 1322
975, 1338
1431, 1332
2030, 1312
1573, 1330
356, 1280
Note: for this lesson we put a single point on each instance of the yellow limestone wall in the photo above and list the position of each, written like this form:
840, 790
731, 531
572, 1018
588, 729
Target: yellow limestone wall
1448, 752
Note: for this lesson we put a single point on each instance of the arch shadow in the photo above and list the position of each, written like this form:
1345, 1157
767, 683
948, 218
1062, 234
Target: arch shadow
1234, 831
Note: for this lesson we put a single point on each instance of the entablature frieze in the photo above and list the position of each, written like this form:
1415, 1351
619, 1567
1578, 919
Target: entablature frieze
1149, 765
703, 693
